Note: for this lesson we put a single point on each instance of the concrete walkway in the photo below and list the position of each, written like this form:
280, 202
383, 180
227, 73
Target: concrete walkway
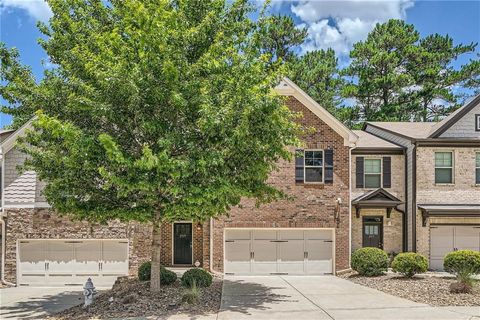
322, 297
36, 302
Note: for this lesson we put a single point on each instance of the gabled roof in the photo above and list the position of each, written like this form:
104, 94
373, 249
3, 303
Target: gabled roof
449, 121
409, 130
367, 140
377, 198
21, 192
9, 143
289, 88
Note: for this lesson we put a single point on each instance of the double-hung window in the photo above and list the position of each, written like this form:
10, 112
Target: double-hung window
373, 173
477, 168
313, 166
443, 167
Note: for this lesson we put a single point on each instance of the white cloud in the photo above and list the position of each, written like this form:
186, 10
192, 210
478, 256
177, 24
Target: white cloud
339, 24
38, 9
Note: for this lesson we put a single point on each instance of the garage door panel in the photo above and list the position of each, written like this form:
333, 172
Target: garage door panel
319, 256
32, 266
88, 254
441, 243
318, 235
291, 256
114, 257
265, 256
237, 256
467, 238
60, 257
240, 234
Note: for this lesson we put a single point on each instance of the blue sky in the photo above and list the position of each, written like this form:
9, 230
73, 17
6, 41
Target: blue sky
336, 24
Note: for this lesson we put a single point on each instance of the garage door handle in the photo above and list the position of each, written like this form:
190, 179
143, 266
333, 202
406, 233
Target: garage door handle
229, 240
252, 255
278, 240
327, 240
305, 255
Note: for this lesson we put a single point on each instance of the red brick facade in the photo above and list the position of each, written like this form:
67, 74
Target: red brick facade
313, 205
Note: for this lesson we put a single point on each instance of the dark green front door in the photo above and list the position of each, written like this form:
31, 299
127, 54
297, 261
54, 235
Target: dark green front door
182, 243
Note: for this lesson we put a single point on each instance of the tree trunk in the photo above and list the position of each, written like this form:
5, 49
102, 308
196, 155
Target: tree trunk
156, 240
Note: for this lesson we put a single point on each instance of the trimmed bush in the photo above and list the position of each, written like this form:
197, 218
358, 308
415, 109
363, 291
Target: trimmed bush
464, 264
370, 262
166, 276
409, 264
199, 276
462, 261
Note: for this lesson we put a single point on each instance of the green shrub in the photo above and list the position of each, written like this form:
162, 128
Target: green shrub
409, 264
370, 262
200, 277
166, 276
463, 264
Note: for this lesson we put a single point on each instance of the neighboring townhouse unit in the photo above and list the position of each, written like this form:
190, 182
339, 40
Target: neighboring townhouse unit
442, 197
309, 234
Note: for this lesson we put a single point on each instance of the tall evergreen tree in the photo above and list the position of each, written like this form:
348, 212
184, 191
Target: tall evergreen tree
317, 74
435, 77
279, 37
378, 72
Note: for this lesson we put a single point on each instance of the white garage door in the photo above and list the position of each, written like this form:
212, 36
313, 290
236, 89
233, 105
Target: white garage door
287, 251
445, 239
71, 262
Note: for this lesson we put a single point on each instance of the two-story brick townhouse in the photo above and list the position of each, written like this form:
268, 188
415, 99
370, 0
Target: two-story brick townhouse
441, 186
309, 234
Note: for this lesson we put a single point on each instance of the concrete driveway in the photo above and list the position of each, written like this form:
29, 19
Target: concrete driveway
36, 302
321, 297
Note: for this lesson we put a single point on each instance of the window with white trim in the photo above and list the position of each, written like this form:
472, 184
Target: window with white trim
477, 168
372, 173
313, 166
443, 167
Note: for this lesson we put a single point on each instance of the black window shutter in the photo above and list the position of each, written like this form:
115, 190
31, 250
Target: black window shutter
328, 166
359, 172
299, 166
387, 172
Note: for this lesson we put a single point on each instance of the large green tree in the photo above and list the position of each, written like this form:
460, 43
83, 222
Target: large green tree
317, 73
157, 111
280, 38
435, 76
377, 71
395, 75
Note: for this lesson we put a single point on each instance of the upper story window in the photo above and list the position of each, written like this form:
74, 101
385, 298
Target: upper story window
443, 167
313, 166
477, 122
477, 168
373, 173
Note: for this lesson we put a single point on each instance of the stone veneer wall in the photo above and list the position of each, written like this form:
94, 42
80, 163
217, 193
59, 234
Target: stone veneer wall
463, 190
45, 224
313, 206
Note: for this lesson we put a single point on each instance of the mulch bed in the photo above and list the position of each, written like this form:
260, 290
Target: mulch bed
424, 289
132, 298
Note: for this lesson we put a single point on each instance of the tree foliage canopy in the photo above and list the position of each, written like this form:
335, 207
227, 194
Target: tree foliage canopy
154, 107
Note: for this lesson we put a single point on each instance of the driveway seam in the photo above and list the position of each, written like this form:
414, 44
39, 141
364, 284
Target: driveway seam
328, 314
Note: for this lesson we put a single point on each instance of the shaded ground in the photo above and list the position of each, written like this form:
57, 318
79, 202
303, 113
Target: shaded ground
424, 289
37, 303
132, 298
322, 297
